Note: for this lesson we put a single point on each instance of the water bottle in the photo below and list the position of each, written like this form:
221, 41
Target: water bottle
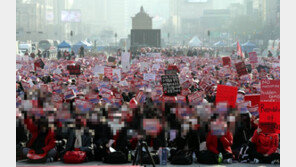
129, 156
194, 157
163, 156
220, 158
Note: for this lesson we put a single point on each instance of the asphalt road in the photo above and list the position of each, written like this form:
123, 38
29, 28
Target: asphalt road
95, 163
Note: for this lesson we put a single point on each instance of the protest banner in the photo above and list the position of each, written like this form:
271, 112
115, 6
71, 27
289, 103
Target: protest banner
241, 68
195, 98
140, 97
74, 69
269, 117
186, 85
226, 61
170, 72
69, 94
171, 85
226, 94
181, 99
270, 91
82, 105
57, 98
253, 57
253, 98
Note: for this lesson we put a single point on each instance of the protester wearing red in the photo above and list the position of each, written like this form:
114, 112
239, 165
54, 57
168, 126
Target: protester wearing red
263, 147
42, 140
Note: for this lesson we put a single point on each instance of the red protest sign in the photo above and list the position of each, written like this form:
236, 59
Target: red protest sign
253, 57
195, 98
39, 63
254, 98
226, 61
108, 72
270, 91
241, 68
226, 94
74, 69
269, 117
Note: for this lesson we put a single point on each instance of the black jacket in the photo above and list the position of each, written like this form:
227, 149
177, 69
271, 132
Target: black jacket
85, 139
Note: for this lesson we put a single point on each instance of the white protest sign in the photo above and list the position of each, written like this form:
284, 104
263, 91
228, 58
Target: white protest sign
18, 66
57, 71
117, 72
143, 66
155, 66
149, 77
125, 61
99, 70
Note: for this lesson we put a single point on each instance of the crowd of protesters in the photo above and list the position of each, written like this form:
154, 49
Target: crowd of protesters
101, 113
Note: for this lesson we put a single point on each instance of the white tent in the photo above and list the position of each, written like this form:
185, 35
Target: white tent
194, 42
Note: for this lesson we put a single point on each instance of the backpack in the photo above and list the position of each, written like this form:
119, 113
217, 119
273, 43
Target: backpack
207, 157
243, 155
182, 158
116, 157
147, 160
74, 157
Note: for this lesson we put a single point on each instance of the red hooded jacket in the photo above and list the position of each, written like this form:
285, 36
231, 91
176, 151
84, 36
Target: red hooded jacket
226, 140
49, 139
265, 143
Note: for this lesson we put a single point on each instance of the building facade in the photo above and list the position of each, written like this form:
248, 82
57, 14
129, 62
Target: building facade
142, 20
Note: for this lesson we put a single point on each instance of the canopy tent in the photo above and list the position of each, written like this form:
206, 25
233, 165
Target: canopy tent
78, 45
219, 44
64, 44
248, 46
194, 42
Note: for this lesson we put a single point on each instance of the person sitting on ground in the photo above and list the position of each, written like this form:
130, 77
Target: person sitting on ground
263, 147
42, 140
217, 145
79, 140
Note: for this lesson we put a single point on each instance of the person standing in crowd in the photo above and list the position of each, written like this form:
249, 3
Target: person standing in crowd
81, 51
72, 55
39, 53
59, 56
269, 54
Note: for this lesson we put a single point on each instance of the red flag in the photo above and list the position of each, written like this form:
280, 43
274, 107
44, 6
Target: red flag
239, 50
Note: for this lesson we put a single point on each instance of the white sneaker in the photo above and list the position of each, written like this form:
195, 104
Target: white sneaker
228, 161
275, 162
255, 161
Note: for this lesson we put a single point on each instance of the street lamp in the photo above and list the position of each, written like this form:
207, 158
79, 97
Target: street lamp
115, 39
